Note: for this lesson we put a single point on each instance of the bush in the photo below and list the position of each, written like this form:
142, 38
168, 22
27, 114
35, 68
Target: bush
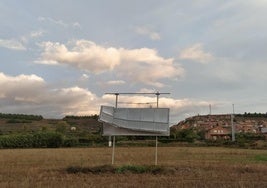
47, 139
36, 140
16, 141
70, 142
188, 135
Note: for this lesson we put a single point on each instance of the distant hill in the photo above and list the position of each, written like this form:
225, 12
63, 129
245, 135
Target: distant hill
247, 122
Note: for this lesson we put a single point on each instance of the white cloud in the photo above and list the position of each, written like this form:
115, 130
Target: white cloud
146, 66
31, 94
116, 82
59, 22
137, 65
46, 62
54, 21
84, 77
147, 32
84, 55
196, 53
21, 87
145, 90
36, 34
74, 101
77, 25
12, 44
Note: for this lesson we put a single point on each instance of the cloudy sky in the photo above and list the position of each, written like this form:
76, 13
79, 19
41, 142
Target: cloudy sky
60, 57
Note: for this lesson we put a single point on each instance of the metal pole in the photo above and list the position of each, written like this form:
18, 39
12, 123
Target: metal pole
156, 152
113, 151
157, 99
109, 141
113, 148
117, 96
210, 108
116, 105
232, 123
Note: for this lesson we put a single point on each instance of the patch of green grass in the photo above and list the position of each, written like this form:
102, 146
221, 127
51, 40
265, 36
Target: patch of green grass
261, 158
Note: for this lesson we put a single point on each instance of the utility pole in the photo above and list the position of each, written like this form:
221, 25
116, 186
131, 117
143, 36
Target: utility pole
232, 123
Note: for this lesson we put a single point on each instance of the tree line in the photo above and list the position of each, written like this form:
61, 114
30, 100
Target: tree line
21, 117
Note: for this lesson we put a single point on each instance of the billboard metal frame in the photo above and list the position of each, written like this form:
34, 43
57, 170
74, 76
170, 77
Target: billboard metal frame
116, 106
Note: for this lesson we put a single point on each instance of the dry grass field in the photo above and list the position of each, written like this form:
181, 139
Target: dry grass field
183, 167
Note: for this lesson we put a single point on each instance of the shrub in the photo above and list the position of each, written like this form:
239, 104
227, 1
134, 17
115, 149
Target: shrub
47, 139
70, 142
131, 168
37, 140
16, 141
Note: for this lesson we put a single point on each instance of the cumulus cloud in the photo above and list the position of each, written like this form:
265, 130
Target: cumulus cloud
12, 44
196, 53
21, 88
31, 94
138, 65
74, 101
84, 55
146, 66
147, 32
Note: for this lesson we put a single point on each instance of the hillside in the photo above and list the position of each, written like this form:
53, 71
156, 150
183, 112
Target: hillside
15, 123
246, 123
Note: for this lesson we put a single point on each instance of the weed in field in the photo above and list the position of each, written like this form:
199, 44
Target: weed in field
131, 169
125, 169
92, 170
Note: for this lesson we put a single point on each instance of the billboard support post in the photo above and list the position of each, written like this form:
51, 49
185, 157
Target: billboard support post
113, 148
113, 151
156, 152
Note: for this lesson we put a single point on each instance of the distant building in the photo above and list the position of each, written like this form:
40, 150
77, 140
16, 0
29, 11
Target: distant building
218, 133
263, 130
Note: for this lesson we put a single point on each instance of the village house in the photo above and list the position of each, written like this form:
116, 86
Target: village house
218, 133
263, 130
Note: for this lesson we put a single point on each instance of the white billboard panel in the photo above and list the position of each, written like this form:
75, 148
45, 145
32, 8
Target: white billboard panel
135, 121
